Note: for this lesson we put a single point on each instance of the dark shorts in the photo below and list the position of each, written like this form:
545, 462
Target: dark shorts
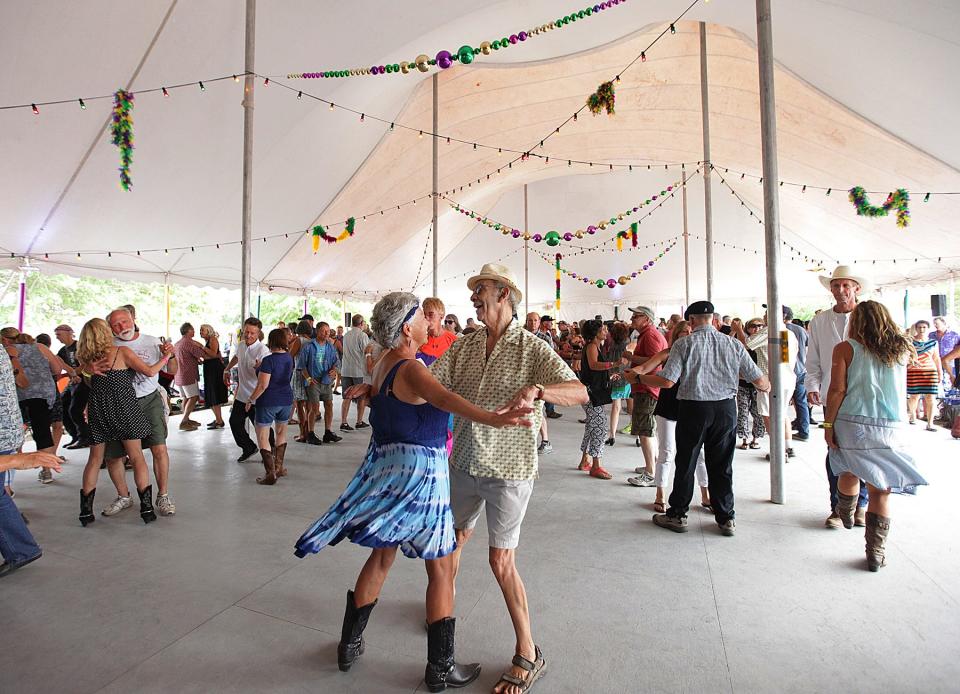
643, 423
320, 392
152, 407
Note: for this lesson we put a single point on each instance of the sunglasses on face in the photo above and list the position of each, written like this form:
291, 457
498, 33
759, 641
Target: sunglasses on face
449, 322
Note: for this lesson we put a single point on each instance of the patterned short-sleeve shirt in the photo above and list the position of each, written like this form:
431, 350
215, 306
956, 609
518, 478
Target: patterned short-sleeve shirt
11, 425
518, 359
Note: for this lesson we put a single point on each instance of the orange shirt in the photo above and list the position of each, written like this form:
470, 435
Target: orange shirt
434, 347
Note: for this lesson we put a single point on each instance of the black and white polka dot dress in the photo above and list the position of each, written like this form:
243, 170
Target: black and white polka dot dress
114, 412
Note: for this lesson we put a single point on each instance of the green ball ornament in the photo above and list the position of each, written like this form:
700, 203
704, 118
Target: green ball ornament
600, 284
552, 238
465, 54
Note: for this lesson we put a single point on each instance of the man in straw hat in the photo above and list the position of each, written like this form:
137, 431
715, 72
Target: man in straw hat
827, 330
501, 365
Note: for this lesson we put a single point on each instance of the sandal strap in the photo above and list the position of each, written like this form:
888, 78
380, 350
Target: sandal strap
516, 681
527, 665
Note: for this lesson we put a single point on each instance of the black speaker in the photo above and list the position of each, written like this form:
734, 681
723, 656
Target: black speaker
347, 317
938, 304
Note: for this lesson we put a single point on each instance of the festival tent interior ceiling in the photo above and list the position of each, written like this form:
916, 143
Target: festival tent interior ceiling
862, 100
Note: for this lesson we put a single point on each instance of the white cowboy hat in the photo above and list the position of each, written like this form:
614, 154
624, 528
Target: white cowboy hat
843, 272
498, 273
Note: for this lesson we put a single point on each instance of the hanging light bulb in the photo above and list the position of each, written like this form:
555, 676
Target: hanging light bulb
202, 88
164, 90
36, 111
83, 106
331, 105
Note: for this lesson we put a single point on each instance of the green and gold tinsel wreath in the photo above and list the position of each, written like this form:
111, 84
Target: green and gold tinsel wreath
898, 200
602, 99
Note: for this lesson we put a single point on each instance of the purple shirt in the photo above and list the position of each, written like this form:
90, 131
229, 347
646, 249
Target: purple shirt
948, 342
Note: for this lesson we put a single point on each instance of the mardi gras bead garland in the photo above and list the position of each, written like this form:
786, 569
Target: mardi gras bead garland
320, 233
558, 271
553, 238
122, 131
609, 283
603, 99
898, 200
465, 54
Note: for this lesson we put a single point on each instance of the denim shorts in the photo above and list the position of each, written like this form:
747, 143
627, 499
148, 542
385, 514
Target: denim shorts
265, 415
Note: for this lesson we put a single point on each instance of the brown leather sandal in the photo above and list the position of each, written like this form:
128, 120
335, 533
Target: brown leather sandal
534, 671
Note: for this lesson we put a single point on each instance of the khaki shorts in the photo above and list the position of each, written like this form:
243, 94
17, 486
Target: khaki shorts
763, 399
320, 392
505, 501
152, 407
643, 423
189, 390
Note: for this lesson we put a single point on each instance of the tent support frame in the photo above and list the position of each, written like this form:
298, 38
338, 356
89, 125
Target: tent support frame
707, 165
247, 204
771, 221
436, 177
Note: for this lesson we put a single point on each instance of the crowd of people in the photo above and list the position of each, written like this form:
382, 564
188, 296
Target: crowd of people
459, 418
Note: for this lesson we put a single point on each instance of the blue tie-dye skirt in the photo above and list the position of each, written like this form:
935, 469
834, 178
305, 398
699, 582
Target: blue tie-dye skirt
400, 497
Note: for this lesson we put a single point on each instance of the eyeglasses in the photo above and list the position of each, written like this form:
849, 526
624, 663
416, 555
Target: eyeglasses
450, 322
753, 326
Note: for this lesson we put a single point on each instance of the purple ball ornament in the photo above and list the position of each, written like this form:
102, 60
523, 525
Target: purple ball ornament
537, 238
522, 36
515, 233
567, 236
669, 188
444, 60
591, 229
596, 8
611, 283
633, 274
646, 267
654, 197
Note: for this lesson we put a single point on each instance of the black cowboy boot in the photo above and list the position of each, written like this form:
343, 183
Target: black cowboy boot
351, 636
442, 671
146, 504
86, 507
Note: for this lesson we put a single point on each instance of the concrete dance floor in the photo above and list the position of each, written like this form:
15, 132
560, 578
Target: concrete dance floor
213, 600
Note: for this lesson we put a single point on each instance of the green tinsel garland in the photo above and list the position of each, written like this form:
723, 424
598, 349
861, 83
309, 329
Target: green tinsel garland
602, 99
898, 200
122, 130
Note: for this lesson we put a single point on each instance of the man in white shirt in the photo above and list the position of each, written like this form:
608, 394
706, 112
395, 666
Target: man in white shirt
247, 358
353, 369
147, 388
827, 330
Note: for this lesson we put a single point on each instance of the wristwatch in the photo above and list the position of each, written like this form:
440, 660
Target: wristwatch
540, 388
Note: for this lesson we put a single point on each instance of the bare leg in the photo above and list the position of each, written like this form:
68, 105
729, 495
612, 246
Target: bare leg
361, 409
57, 431
161, 466
118, 476
912, 403
141, 476
372, 575
463, 536
344, 411
327, 415
263, 437
544, 434
216, 413
614, 418
280, 429
188, 406
313, 408
649, 454
439, 588
928, 405
92, 469
503, 563
879, 501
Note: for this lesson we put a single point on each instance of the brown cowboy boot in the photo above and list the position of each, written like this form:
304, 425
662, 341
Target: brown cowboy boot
270, 466
278, 460
845, 508
878, 527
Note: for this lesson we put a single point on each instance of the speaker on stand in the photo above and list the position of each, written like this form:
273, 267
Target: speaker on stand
938, 305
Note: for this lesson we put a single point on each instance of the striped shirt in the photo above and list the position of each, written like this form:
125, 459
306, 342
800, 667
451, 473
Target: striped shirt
707, 365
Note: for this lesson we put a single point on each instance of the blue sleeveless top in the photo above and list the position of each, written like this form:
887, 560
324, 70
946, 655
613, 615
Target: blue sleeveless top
874, 389
395, 421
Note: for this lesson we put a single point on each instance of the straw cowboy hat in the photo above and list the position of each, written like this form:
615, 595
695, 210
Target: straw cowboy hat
497, 273
843, 272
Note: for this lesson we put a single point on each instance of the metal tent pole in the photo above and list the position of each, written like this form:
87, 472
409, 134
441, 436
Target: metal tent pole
526, 252
771, 214
436, 175
166, 303
247, 215
22, 310
707, 165
686, 242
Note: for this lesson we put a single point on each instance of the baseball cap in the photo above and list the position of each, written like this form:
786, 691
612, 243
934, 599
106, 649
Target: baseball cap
646, 310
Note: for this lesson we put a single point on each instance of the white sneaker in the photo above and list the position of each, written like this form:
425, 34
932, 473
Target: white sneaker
642, 480
545, 448
165, 505
117, 505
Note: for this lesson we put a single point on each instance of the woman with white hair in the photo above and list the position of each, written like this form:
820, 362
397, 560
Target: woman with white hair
214, 389
400, 496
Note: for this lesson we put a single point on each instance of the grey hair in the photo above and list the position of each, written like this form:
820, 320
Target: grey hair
121, 309
386, 322
513, 295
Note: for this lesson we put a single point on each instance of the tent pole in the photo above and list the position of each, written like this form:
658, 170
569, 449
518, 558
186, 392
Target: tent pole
526, 252
686, 243
258, 301
166, 302
22, 311
906, 308
707, 165
305, 309
771, 215
247, 214
436, 175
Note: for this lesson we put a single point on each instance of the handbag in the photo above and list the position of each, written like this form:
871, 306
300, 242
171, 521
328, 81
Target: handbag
599, 388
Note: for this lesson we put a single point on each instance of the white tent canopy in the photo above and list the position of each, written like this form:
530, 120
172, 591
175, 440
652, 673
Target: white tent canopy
863, 99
